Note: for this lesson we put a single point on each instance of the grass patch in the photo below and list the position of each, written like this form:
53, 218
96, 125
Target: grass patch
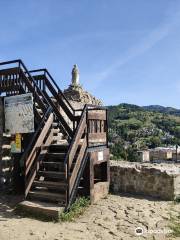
175, 226
76, 209
177, 200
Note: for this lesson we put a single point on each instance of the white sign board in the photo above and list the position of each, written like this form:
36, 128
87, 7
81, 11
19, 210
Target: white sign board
19, 114
100, 156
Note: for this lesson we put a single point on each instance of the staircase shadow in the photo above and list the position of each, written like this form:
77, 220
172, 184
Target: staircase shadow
8, 204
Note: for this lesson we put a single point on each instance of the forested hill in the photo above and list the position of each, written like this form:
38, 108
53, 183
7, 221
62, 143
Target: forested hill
136, 127
161, 109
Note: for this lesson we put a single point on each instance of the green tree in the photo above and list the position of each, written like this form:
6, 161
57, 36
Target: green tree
155, 142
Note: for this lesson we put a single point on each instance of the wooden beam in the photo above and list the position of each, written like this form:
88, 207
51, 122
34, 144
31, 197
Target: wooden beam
77, 164
9, 71
97, 115
76, 141
97, 137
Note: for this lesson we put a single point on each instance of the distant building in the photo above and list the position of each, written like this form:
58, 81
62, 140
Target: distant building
143, 156
160, 154
174, 156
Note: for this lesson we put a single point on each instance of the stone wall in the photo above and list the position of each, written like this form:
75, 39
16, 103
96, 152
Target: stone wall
154, 180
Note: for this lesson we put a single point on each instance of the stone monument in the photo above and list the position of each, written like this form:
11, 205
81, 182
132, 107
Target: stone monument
75, 75
75, 93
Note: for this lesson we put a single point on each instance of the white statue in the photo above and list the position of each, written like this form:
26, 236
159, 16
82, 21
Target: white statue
75, 75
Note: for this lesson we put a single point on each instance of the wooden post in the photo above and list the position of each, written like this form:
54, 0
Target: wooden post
91, 168
86, 177
1, 130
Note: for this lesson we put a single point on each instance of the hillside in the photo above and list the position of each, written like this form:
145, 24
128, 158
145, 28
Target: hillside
132, 127
161, 109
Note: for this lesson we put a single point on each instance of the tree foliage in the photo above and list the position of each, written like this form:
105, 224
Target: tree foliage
132, 127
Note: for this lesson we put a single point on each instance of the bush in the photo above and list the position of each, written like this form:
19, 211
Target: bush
155, 142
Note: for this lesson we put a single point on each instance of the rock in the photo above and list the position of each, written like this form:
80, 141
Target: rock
76, 94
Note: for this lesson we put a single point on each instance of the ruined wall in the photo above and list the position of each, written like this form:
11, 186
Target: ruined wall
154, 180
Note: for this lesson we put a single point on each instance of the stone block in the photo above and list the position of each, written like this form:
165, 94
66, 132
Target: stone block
100, 191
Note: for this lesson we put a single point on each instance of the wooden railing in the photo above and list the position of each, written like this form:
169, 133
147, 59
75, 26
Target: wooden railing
87, 135
32, 155
48, 85
97, 127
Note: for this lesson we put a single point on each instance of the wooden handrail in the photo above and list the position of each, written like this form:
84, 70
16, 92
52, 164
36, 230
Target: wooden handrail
78, 164
46, 73
52, 87
33, 156
59, 100
39, 142
35, 135
59, 116
36, 93
75, 142
76, 135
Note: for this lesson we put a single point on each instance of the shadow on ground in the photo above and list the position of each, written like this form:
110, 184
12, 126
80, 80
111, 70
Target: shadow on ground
8, 203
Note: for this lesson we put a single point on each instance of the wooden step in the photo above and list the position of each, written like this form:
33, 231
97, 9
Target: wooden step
55, 131
55, 124
55, 156
50, 184
53, 166
39, 111
59, 148
52, 174
57, 138
48, 196
59, 165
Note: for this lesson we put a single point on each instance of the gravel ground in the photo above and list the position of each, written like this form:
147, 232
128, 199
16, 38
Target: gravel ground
115, 217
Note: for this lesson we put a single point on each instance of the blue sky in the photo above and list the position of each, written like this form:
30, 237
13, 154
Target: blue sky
126, 50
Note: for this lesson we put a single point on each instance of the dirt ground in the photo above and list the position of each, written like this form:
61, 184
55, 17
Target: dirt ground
115, 217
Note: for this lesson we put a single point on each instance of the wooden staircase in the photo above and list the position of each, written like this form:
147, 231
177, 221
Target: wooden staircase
56, 156
50, 182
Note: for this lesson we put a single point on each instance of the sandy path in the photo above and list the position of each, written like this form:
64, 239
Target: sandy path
113, 218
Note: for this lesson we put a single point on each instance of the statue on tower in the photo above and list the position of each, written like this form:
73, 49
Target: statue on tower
75, 75
76, 94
